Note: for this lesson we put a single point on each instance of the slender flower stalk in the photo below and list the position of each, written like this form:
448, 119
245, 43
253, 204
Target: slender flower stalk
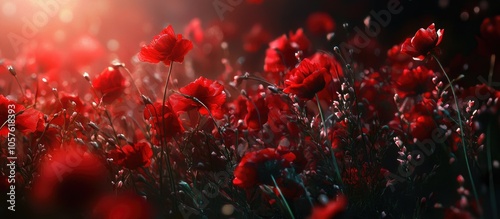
283, 197
164, 133
490, 172
462, 137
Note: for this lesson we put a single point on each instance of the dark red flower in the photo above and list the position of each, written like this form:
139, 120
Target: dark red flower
306, 79
320, 23
110, 83
333, 209
124, 206
133, 156
257, 112
70, 102
166, 47
424, 41
257, 167
27, 120
455, 213
210, 93
254, 40
169, 120
490, 33
414, 82
419, 120
71, 179
281, 53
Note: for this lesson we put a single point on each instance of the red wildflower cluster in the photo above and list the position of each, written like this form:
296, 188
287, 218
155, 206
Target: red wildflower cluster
300, 130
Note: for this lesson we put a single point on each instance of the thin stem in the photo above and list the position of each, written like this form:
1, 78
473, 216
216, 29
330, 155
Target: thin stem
462, 137
14, 73
334, 159
132, 79
283, 197
248, 77
490, 172
164, 133
492, 67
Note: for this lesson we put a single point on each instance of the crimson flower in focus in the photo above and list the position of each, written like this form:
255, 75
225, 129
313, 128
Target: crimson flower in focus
333, 209
26, 120
124, 206
306, 79
210, 93
110, 83
257, 167
414, 82
169, 119
166, 47
320, 23
424, 41
133, 156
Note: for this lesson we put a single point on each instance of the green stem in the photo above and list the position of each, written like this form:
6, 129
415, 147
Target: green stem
462, 137
334, 159
283, 197
164, 145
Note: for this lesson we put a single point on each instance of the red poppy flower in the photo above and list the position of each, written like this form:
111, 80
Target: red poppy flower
210, 93
254, 40
124, 206
110, 83
414, 82
71, 179
27, 120
257, 112
320, 23
152, 113
257, 167
70, 101
333, 209
421, 121
424, 41
133, 156
281, 52
166, 47
306, 79
194, 31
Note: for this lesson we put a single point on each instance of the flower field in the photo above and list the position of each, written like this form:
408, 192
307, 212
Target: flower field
122, 112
